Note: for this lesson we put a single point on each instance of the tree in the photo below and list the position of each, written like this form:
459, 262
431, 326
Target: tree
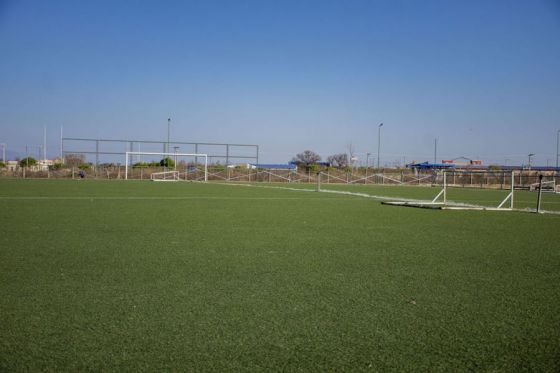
75, 160
167, 162
29, 161
307, 158
338, 160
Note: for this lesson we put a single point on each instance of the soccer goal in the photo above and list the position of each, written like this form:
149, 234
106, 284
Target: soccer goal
165, 176
166, 166
546, 186
441, 201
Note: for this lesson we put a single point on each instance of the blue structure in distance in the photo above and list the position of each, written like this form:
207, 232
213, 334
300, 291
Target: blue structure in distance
272, 166
430, 166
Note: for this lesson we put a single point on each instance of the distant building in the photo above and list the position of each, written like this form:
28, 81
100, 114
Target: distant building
41, 165
12, 165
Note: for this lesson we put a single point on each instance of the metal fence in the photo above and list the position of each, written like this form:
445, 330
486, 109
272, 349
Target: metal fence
113, 151
468, 179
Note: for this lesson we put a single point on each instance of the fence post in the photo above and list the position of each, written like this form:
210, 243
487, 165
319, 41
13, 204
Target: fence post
540, 194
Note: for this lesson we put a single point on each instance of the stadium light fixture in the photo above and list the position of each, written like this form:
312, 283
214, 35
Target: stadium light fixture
168, 132
379, 142
367, 164
557, 147
530, 156
3, 145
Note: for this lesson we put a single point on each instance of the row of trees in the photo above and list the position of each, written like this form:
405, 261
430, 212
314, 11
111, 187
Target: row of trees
309, 158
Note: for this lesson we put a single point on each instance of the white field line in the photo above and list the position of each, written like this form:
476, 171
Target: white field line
85, 198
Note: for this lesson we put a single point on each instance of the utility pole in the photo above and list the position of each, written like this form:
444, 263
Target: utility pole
557, 148
367, 164
379, 143
61, 147
168, 131
3, 152
45, 143
530, 155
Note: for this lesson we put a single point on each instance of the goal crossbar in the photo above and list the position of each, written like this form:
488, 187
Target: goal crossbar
168, 155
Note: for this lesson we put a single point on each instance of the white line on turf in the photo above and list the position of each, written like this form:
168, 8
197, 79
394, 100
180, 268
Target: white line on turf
46, 198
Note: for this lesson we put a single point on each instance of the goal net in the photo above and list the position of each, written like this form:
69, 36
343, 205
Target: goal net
166, 166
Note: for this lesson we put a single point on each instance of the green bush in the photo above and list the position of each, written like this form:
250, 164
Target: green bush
29, 161
56, 166
140, 165
2, 165
167, 162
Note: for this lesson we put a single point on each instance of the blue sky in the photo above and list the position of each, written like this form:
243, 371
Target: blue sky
481, 76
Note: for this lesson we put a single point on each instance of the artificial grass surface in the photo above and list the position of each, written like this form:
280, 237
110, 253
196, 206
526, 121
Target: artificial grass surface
100, 275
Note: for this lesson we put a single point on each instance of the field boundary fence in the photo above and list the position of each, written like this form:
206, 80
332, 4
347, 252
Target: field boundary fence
524, 179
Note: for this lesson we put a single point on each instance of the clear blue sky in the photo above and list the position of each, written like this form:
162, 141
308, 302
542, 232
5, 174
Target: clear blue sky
481, 76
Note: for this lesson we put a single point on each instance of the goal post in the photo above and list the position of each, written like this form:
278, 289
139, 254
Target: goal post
193, 157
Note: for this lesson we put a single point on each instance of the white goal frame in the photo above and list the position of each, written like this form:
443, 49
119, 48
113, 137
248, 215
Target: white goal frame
440, 201
535, 186
175, 176
168, 155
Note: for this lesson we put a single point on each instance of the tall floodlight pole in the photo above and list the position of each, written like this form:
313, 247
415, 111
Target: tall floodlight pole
168, 131
530, 155
557, 148
367, 164
435, 150
61, 147
378, 142
3, 145
44, 143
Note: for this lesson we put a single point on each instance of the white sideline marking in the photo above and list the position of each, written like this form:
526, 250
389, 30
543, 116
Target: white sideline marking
46, 198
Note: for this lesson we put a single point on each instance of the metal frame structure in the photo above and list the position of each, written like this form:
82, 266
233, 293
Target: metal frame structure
174, 174
226, 154
443, 205
196, 156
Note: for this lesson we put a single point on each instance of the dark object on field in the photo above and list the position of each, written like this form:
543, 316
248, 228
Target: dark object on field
82, 174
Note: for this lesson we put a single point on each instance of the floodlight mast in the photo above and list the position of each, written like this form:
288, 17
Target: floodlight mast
557, 148
3, 145
378, 143
168, 133
367, 164
530, 156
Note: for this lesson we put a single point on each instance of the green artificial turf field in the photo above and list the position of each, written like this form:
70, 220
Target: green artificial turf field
115, 275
